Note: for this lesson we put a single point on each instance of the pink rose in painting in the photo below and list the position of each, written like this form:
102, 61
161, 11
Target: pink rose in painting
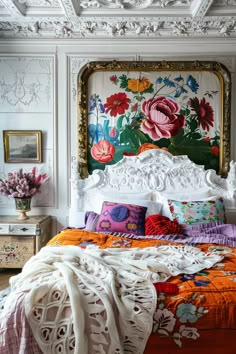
103, 151
162, 118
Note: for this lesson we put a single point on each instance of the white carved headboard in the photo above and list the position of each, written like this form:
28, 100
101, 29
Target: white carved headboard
153, 170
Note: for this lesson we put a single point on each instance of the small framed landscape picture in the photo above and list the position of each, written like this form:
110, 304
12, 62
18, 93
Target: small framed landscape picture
22, 146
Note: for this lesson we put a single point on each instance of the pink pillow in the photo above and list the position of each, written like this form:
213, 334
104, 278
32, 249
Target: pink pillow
119, 217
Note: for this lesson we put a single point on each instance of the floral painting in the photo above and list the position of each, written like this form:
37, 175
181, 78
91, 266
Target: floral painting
129, 112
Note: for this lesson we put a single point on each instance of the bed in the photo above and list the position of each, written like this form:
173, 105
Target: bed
133, 278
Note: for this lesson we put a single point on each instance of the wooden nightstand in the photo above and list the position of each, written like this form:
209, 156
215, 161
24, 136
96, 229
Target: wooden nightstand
19, 240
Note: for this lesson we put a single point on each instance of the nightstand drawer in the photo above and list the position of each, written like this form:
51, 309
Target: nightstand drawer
21, 239
17, 229
16, 250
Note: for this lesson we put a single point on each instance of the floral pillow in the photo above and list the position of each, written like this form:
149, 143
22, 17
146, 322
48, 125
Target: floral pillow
119, 217
197, 212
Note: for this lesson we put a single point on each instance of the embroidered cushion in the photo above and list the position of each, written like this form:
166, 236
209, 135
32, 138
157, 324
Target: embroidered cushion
196, 212
161, 225
119, 217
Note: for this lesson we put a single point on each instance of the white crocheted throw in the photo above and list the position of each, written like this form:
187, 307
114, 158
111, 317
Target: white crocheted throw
99, 301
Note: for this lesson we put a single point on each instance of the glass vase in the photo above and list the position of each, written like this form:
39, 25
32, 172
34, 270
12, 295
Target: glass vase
23, 206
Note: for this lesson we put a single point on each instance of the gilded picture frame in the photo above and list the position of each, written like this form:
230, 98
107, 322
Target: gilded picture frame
22, 146
127, 107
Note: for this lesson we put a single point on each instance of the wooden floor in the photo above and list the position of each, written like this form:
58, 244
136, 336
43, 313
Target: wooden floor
5, 274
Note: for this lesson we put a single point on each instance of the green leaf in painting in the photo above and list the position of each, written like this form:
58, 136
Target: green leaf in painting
184, 111
124, 137
198, 151
123, 81
216, 140
163, 142
196, 136
149, 90
133, 137
193, 124
178, 138
119, 122
143, 138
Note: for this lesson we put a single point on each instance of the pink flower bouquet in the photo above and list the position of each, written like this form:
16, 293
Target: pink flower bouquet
22, 184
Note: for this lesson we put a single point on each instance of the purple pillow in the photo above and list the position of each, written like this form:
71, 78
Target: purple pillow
90, 220
119, 217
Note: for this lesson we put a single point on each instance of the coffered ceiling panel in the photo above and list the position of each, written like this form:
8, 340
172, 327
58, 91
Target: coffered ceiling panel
117, 18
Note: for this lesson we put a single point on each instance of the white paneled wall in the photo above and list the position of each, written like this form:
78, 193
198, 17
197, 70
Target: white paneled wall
51, 72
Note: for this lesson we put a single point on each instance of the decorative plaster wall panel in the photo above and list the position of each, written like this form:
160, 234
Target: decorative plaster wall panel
26, 85
27, 103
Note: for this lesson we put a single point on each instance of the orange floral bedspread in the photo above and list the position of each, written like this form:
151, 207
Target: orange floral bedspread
201, 317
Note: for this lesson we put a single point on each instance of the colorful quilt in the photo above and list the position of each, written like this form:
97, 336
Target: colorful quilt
202, 316
195, 312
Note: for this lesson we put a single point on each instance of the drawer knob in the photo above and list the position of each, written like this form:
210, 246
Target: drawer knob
24, 229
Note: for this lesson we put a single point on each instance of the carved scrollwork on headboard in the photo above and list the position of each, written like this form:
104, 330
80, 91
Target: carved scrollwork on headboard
158, 170
152, 170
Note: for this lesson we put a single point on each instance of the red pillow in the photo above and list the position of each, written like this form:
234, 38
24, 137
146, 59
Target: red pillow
161, 225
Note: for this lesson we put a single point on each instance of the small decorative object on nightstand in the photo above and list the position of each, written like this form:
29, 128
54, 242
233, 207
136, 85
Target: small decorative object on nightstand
22, 186
23, 205
20, 240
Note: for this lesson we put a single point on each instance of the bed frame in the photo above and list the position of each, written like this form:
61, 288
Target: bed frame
152, 170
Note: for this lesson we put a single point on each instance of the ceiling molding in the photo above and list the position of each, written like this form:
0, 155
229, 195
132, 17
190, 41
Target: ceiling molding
199, 8
74, 19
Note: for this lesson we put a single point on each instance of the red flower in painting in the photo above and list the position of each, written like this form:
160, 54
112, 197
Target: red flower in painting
162, 119
215, 150
113, 78
204, 112
117, 104
103, 151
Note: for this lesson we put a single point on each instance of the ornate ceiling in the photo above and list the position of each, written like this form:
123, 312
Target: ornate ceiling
117, 18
